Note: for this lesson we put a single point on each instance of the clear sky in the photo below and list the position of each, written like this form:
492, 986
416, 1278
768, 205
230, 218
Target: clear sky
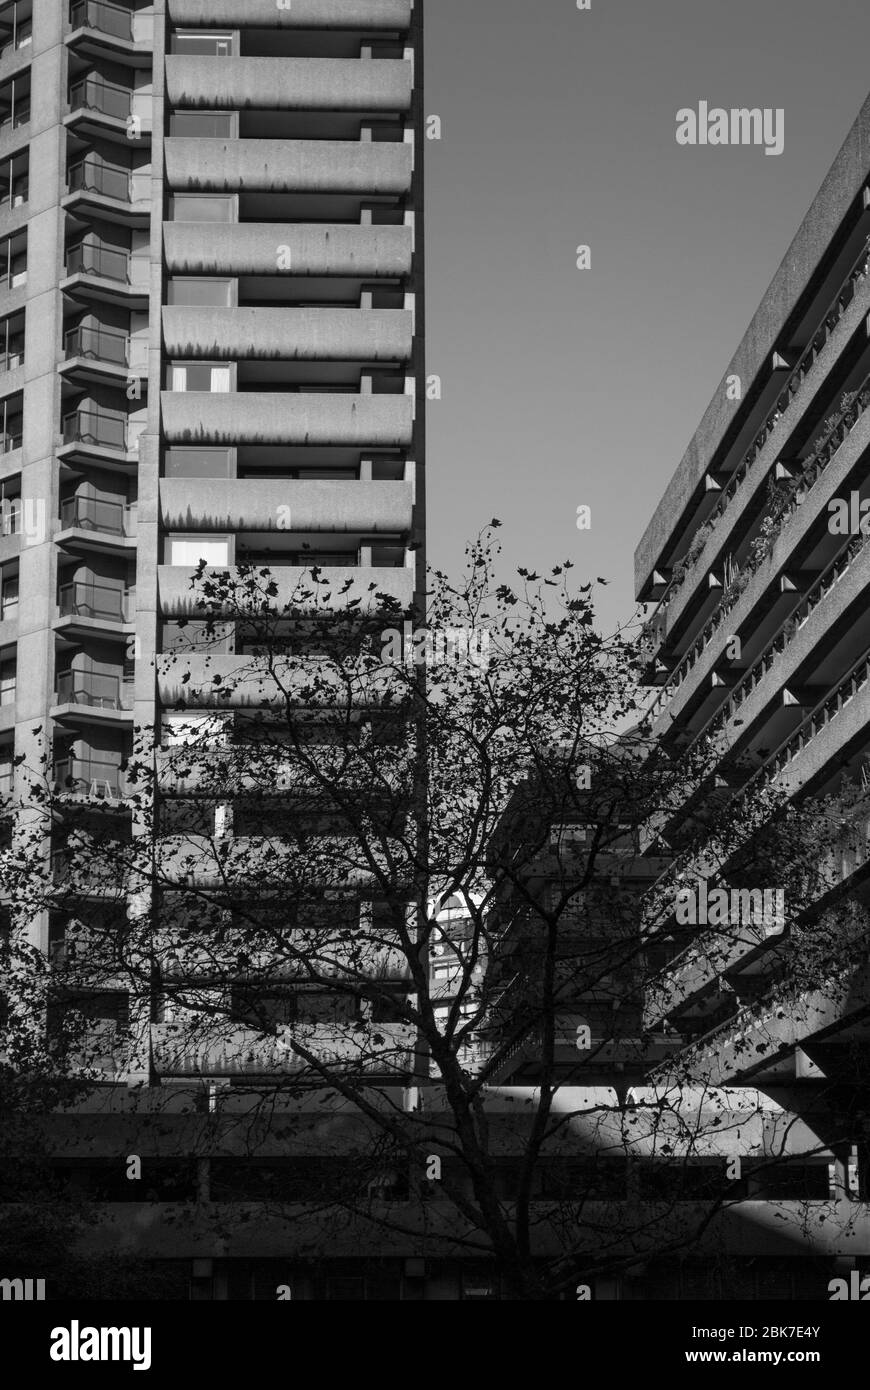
563, 387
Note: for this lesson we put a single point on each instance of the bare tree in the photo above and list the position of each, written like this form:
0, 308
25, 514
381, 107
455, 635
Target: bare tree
269, 899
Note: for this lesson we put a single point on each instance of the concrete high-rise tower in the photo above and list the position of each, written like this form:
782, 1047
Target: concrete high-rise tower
212, 350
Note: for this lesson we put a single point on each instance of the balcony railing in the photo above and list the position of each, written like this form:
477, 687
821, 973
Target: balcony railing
813, 469
812, 598
98, 344
17, 193
17, 117
102, 261
89, 427
78, 777
109, 19
83, 599
92, 514
854, 683
105, 179
843, 298
106, 98
96, 691
13, 357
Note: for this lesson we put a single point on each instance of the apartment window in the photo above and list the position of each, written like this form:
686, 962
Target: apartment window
15, 103
199, 290
10, 507
190, 550
568, 835
16, 26
12, 342
262, 1008
204, 125
8, 596
14, 180
200, 43
203, 207
182, 730
198, 463
8, 669
7, 768
11, 422
446, 970
13, 260
200, 376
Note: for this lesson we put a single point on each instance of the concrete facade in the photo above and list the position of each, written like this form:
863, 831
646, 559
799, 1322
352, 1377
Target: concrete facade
756, 568
197, 367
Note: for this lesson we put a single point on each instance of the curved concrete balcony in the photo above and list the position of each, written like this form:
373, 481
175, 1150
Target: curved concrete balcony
303, 14
261, 417
199, 680
184, 1051
234, 771
247, 863
326, 956
291, 335
257, 504
252, 248
289, 84
295, 588
288, 166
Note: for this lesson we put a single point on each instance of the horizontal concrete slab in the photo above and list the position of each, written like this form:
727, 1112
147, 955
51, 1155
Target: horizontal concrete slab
232, 504
342, 335
202, 417
251, 248
178, 598
302, 14
289, 84
290, 166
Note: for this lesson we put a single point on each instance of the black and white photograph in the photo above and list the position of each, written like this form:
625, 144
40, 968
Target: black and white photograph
434, 676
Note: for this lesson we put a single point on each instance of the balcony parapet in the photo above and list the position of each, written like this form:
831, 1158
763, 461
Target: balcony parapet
683, 582
288, 418
243, 863
252, 248
289, 166
260, 505
732, 606
201, 681
796, 640
816, 346
762, 1033
371, 588
290, 84
303, 14
299, 335
374, 1049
